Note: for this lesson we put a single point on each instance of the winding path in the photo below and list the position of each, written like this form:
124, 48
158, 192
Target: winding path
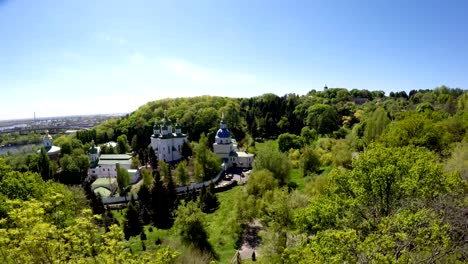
251, 240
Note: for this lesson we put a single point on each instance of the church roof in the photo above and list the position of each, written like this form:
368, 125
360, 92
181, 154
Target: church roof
170, 135
103, 191
114, 162
166, 121
93, 149
244, 154
223, 133
50, 151
115, 157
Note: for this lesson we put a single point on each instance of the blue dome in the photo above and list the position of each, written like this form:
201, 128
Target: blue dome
223, 133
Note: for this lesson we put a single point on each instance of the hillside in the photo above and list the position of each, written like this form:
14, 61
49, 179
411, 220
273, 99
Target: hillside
339, 176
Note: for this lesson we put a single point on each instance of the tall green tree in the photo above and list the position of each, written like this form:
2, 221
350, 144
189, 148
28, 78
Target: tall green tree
308, 135
376, 124
207, 163
342, 153
44, 165
171, 195
322, 118
123, 179
208, 200
182, 172
133, 225
153, 159
275, 161
310, 161
147, 176
186, 150
190, 225
260, 181
122, 144
164, 170
134, 142
161, 210
288, 141
70, 170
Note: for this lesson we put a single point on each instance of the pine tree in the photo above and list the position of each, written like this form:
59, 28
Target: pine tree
87, 189
44, 165
171, 194
108, 219
145, 215
152, 158
186, 150
144, 196
95, 200
187, 194
181, 172
193, 195
208, 199
142, 155
123, 179
96, 204
133, 225
142, 236
212, 187
203, 190
160, 208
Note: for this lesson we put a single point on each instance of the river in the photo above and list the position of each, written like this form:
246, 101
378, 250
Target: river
12, 149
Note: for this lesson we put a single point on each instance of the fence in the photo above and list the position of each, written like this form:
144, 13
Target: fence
198, 186
121, 201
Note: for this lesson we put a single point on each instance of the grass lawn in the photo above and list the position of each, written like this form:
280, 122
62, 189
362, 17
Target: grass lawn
267, 143
221, 236
295, 176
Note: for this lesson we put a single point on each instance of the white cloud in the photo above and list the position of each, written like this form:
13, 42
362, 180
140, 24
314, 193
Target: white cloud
71, 56
198, 73
137, 58
136, 80
114, 39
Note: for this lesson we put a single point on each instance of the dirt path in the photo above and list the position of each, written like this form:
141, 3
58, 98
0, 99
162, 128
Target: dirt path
251, 240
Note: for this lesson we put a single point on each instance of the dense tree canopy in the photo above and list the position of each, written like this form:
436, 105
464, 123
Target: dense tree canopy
275, 161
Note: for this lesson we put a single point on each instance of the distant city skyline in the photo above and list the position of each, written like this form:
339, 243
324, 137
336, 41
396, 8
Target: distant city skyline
60, 58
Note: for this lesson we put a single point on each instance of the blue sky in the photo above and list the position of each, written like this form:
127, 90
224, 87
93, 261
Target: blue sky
84, 57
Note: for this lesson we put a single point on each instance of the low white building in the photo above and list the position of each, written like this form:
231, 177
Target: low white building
106, 165
166, 142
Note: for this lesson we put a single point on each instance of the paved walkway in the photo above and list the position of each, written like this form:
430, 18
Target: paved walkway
251, 240
234, 175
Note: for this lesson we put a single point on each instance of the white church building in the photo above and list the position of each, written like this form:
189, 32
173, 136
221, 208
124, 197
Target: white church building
52, 151
226, 148
167, 142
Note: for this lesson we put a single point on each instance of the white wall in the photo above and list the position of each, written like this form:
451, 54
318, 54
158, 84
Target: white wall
163, 148
105, 171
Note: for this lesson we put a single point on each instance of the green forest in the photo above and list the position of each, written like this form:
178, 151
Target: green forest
340, 176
